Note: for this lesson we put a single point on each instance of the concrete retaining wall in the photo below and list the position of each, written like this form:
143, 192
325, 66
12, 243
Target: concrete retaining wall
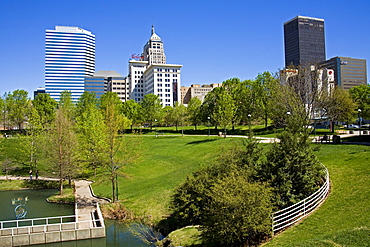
6, 238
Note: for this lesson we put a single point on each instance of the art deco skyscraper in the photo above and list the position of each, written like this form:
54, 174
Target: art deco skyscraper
154, 50
69, 57
304, 41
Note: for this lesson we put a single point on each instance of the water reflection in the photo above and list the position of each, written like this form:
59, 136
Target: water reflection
37, 205
117, 233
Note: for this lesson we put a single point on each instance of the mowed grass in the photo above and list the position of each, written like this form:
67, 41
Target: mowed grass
344, 218
165, 163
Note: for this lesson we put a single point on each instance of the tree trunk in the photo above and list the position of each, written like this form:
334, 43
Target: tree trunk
61, 186
113, 189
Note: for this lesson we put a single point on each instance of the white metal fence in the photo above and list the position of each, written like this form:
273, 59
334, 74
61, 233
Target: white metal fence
49, 224
288, 216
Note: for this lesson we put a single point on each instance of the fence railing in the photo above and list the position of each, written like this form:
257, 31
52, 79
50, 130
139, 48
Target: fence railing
49, 224
288, 216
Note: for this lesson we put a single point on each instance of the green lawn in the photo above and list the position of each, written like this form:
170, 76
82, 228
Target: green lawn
343, 220
165, 163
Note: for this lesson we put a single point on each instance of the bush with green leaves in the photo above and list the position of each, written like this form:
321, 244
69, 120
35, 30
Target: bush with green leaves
238, 214
292, 169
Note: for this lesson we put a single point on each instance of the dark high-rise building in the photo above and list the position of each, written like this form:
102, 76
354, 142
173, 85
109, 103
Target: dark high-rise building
348, 72
304, 41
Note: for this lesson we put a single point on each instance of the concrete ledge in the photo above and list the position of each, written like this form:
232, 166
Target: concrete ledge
52, 237
98, 232
68, 226
6, 232
36, 229
19, 240
53, 228
22, 230
6, 241
83, 234
68, 235
38, 238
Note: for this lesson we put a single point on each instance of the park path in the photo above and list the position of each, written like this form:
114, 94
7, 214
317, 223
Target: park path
86, 202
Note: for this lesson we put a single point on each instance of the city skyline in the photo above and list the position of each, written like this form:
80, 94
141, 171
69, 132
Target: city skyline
213, 40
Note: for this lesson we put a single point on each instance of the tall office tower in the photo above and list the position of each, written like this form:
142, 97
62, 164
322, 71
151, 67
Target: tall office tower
154, 50
69, 58
348, 72
136, 71
304, 41
149, 74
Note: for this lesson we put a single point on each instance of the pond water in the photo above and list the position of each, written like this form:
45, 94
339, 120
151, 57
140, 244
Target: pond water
117, 233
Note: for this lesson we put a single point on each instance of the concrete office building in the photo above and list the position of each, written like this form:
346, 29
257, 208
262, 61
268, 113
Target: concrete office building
163, 80
304, 41
149, 74
69, 58
348, 72
196, 90
119, 85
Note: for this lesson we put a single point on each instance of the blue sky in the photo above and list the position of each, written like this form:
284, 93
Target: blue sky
213, 40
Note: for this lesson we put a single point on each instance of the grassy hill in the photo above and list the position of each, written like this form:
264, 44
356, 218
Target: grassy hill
343, 220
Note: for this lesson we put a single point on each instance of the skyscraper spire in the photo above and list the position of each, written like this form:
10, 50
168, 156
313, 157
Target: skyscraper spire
153, 29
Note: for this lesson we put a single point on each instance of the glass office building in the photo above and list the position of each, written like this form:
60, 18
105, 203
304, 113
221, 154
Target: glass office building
304, 41
69, 58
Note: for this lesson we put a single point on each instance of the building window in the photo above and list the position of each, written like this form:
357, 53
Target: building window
167, 85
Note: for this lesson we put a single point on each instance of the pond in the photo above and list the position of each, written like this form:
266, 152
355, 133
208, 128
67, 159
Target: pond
117, 233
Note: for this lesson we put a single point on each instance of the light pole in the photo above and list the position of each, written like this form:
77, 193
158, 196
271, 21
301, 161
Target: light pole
249, 125
155, 127
209, 130
359, 120
288, 114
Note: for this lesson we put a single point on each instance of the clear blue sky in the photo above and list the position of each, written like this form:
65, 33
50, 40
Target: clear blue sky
213, 40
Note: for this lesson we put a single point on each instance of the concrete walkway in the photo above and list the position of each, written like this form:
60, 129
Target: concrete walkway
85, 206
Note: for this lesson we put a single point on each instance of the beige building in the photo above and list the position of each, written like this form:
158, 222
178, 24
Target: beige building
196, 90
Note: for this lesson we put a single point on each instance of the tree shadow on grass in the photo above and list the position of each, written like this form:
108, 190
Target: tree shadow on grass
200, 142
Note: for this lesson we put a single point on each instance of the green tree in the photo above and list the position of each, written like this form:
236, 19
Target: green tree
31, 142
194, 111
61, 147
132, 110
151, 107
239, 213
45, 107
224, 108
338, 106
224, 199
361, 95
291, 169
91, 131
87, 101
179, 115
17, 105
67, 104
165, 115
116, 151
263, 86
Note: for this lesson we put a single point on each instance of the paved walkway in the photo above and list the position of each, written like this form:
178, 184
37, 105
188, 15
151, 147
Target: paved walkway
85, 202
